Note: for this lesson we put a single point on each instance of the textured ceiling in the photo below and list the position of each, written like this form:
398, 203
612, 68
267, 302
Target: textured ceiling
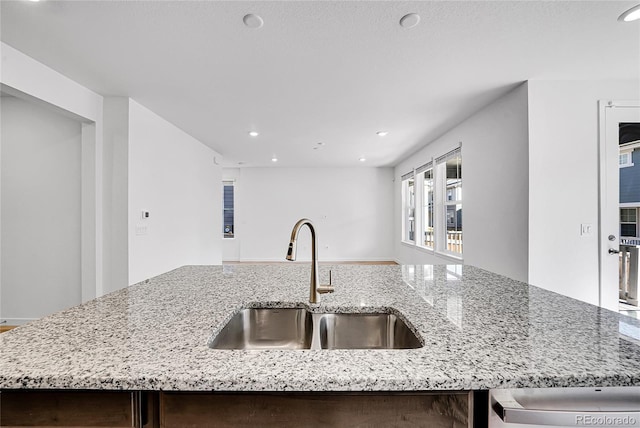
321, 71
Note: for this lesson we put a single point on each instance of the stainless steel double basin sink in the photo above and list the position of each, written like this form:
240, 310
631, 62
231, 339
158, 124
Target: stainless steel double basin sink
298, 328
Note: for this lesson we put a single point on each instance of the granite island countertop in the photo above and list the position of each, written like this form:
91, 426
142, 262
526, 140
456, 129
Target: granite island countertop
480, 330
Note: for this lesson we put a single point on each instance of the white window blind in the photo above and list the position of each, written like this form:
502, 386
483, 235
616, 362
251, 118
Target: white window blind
452, 154
407, 176
424, 167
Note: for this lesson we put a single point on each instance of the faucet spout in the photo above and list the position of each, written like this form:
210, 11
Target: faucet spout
315, 289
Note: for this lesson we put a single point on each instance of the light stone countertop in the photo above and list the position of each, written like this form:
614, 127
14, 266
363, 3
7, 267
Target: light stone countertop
480, 330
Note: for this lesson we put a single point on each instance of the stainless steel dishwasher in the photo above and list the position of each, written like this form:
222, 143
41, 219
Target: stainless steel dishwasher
565, 407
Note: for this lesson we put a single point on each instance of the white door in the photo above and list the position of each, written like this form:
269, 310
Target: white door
612, 113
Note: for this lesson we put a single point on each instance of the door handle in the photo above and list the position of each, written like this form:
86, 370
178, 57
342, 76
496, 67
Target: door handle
511, 411
613, 251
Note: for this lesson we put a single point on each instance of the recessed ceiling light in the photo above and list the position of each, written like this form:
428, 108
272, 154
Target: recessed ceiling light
321, 143
632, 14
252, 20
410, 20
253, 133
382, 133
362, 159
274, 159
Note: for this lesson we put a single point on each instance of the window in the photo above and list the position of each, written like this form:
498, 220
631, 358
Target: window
451, 167
227, 209
427, 206
408, 207
438, 203
628, 222
625, 158
448, 203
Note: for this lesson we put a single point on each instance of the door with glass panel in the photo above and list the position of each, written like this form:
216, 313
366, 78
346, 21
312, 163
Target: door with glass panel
619, 198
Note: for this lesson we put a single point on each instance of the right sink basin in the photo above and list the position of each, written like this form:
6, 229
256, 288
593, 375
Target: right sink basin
365, 331
297, 328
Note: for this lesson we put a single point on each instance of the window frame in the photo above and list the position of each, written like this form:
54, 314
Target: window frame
408, 209
424, 207
629, 154
439, 205
635, 223
457, 204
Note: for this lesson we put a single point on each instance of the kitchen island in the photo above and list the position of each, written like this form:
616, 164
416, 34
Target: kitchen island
480, 331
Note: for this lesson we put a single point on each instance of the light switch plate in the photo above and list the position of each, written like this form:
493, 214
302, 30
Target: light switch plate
586, 229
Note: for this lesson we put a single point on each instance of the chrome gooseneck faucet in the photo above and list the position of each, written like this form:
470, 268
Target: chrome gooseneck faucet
316, 289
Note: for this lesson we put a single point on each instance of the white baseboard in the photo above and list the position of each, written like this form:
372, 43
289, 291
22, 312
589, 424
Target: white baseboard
15, 321
302, 260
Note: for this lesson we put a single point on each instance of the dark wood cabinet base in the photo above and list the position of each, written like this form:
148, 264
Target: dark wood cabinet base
32, 408
147, 409
179, 410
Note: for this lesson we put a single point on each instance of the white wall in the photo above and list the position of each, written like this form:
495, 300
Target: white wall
494, 182
563, 176
351, 209
175, 178
116, 201
41, 229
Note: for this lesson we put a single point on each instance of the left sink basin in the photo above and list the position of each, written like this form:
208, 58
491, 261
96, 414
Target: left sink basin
266, 328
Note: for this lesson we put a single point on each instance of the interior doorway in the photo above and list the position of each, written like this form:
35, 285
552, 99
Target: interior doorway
40, 220
618, 210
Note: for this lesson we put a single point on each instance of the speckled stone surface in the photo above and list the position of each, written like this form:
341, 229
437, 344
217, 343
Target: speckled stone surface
480, 330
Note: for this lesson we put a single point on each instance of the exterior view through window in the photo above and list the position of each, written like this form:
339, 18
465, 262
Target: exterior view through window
427, 209
629, 200
227, 204
629, 206
453, 203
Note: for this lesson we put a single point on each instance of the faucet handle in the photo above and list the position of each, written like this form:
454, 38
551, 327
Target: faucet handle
326, 288
323, 289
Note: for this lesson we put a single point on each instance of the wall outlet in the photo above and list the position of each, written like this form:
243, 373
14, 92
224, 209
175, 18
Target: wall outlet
141, 230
